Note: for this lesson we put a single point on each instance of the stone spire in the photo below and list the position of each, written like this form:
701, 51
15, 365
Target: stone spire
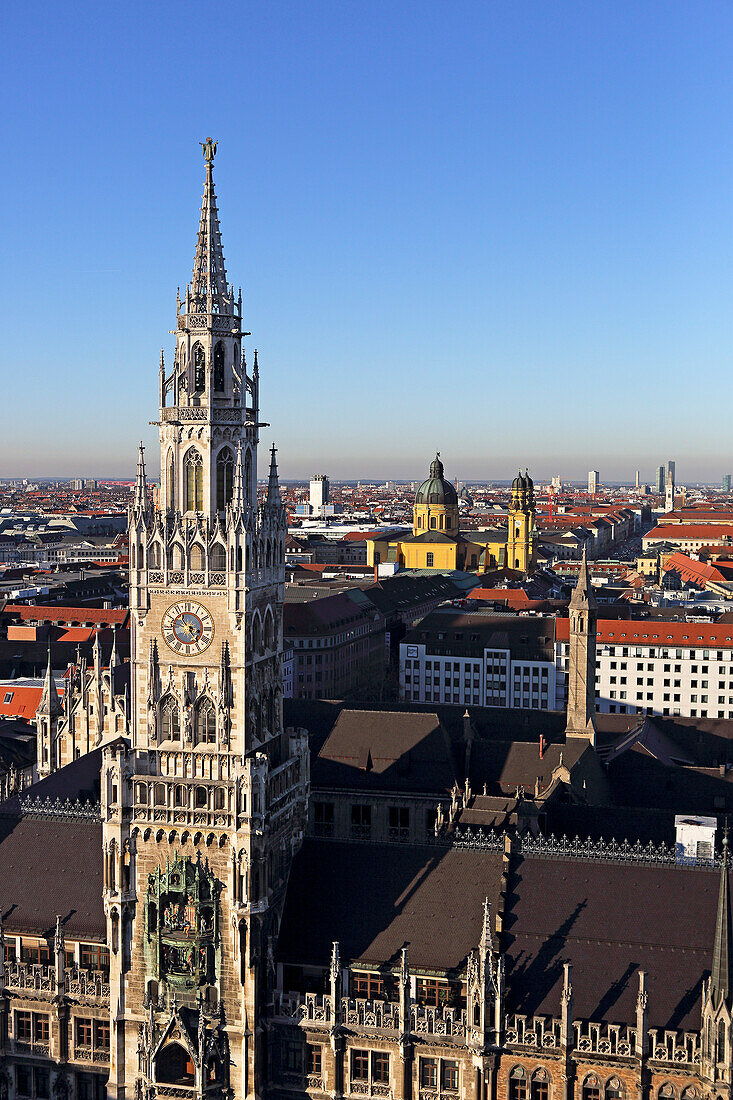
273, 485
720, 976
209, 284
583, 618
50, 704
583, 596
141, 485
237, 503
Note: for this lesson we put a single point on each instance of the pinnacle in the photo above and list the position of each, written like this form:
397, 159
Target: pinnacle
209, 283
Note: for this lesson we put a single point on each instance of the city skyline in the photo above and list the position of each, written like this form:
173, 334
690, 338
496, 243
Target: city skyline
528, 209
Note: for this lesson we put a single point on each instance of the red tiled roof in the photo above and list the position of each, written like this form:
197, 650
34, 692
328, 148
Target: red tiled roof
690, 570
100, 616
677, 531
656, 633
22, 701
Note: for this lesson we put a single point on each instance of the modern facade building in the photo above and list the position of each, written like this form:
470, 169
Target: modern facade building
593, 481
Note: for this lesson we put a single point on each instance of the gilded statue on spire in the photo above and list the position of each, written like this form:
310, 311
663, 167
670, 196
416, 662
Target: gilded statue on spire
209, 148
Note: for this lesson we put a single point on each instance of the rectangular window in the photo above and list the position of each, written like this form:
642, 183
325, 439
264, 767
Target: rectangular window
360, 1065
361, 821
430, 557
323, 818
35, 952
380, 1066
101, 1034
83, 1032
40, 1027
449, 1074
399, 823
93, 956
22, 1027
367, 986
294, 1057
428, 1073
42, 1082
84, 1086
430, 991
314, 1059
23, 1080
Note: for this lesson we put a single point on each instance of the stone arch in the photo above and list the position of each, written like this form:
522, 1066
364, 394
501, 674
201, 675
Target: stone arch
256, 633
170, 718
204, 722
174, 1066
198, 358
193, 474
218, 558
219, 367
196, 557
170, 483
268, 630
224, 477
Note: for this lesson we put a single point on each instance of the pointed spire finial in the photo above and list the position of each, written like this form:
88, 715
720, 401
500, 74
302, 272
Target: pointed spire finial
141, 485
209, 286
238, 486
50, 704
273, 483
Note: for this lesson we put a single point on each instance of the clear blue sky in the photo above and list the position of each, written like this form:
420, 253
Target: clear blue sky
503, 230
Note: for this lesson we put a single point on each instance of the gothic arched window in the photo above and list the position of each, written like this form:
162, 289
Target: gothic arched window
219, 367
248, 475
194, 468
171, 482
224, 478
199, 369
205, 723
196, 560
170, 721
518, 1084
218, 557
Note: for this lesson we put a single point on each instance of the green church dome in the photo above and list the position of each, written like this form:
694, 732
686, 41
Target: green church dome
436, 490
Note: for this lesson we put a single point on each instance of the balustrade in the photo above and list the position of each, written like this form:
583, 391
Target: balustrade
678, 1047
542, 1032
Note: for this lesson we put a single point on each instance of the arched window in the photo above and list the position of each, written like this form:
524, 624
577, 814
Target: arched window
132, 555
201, 798
269, 630
155, 556
179, 795
219, 799
205, 723
224, 478
248, 475
218, 557
432, 523
171, 482
518, 1084
540, 1085
591, 1088
170, 722
614, 1089
197, 557
256, 634
721, 1041
159, 793
199, 369
219, 367
176, 561
194, 467
174, 1066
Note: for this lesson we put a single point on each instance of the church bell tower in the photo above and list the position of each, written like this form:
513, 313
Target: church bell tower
204, 802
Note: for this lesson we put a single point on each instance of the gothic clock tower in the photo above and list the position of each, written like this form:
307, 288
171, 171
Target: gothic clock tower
204, 803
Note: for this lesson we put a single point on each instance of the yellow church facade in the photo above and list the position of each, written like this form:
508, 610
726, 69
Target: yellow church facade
437, 542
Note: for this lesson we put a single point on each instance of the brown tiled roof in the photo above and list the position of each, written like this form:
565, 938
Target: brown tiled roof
376, 898
51, 866
386, 750
610, 921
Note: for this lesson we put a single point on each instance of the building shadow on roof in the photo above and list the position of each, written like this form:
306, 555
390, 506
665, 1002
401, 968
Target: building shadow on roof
531, 978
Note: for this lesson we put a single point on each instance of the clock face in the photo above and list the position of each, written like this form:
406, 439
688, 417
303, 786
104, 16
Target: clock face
188, 628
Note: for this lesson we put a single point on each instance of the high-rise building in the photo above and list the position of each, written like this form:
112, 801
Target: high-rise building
637, 483
661, 479
727, 483
669, 470
592, 482
204, 809
319, 493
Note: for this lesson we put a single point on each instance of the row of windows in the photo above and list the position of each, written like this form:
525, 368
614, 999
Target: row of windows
201, 796
398, 820
272, 554
34, 1082
92, 956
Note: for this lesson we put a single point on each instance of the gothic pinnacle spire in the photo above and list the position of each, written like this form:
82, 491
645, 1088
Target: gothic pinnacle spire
141, 485
50, 703
720, 977
209, 292
583, 593
273, 484
237, 504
